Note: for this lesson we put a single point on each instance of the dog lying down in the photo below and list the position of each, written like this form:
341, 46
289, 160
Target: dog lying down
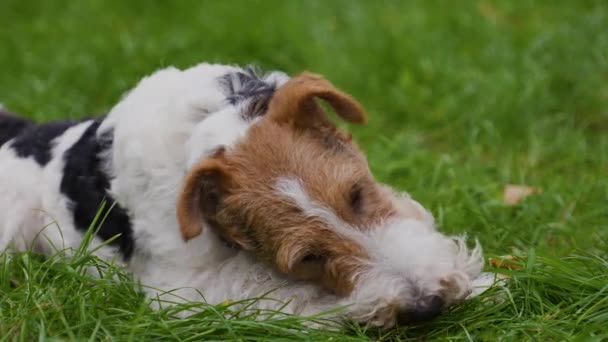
228, 185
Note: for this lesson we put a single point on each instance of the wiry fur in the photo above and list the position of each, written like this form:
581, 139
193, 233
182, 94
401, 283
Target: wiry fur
177, 128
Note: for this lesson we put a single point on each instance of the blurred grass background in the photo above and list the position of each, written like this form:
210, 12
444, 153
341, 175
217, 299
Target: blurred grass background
464, 97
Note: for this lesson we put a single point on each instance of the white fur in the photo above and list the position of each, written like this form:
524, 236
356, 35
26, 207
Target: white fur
220, 129
19, 210
168, 122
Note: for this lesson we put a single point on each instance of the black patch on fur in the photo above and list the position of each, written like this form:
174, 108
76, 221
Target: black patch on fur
35, 140
11, 126
85, 184
247, 85
105, 140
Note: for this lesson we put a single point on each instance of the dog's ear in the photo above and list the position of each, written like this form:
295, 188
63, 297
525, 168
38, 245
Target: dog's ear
204, 187
294, 102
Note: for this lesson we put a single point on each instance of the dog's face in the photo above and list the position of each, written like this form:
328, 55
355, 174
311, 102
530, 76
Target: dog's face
298, 193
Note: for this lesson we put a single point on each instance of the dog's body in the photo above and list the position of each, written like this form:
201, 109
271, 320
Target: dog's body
155, 155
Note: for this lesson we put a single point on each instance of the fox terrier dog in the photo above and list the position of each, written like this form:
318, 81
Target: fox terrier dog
228, 184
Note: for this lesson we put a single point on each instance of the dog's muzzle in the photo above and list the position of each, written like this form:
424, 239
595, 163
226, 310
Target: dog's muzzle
426, 308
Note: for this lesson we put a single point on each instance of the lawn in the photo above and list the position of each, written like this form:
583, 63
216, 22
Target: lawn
464, 97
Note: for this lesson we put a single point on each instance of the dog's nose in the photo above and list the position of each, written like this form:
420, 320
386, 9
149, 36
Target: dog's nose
426, 308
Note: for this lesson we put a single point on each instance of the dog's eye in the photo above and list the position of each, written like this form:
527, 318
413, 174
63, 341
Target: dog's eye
309, 267
312, 258
356, 198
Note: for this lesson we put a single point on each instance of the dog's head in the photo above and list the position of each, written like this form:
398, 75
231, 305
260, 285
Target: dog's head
297, 193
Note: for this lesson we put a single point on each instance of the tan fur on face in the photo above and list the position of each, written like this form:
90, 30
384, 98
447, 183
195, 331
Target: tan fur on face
295, 140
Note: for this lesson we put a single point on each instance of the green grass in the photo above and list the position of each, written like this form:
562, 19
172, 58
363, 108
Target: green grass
463, 98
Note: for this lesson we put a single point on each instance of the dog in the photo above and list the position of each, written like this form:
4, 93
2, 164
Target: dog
230, 184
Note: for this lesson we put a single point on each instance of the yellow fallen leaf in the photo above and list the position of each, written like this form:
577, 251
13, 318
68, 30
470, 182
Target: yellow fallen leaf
515, 193
507, 262
227, 302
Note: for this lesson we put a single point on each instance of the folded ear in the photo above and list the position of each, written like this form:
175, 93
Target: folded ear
204, 187
294, 102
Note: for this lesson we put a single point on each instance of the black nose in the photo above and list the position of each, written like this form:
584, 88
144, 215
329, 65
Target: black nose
426, 308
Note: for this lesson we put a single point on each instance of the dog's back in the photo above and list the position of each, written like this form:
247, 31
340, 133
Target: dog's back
51, 179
